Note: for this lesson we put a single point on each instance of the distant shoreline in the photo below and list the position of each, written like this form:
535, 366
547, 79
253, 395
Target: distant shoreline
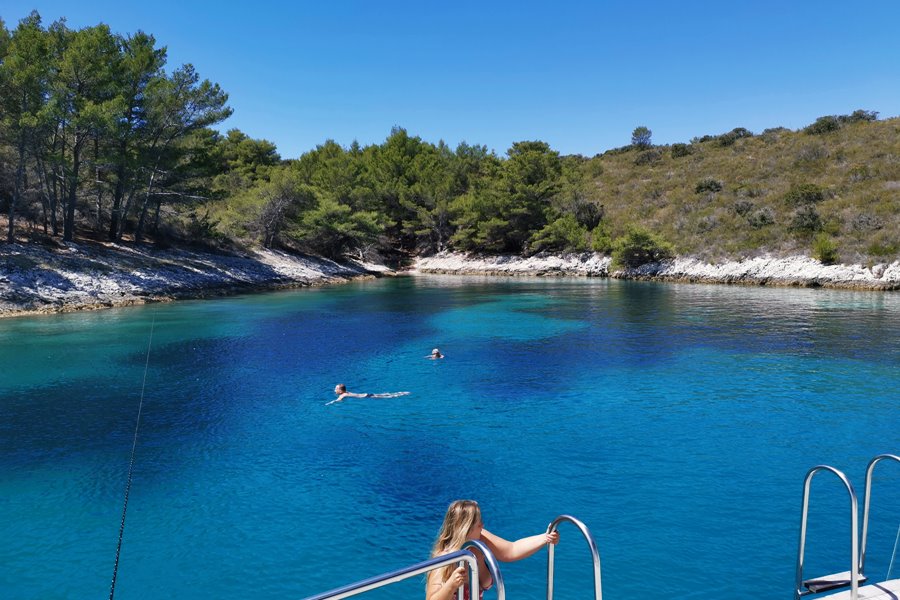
37, 280
795, 271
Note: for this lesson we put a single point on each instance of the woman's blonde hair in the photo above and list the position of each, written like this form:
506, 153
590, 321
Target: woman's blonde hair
461, 516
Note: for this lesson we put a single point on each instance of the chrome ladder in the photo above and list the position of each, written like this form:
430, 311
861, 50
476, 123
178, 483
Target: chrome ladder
856, 575
467, 558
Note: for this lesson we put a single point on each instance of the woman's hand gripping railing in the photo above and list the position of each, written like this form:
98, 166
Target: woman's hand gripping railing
461, 556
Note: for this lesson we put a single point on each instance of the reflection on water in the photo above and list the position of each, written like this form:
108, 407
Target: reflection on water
677, 421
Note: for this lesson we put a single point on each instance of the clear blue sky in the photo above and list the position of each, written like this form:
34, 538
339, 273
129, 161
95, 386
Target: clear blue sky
578, 75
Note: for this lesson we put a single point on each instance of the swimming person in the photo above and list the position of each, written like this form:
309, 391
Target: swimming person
463, 523
436, 353
341, 390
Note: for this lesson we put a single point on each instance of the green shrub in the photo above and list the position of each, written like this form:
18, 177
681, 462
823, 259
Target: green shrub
679, 150
727, 139
804, 193
806, 220
860, 173
866, 222
824, 249
761, 218
743, 207
564, 234
639, 247
587, 213
823, 125
601, 241
648, 157
860, 116
883, 249
708, 184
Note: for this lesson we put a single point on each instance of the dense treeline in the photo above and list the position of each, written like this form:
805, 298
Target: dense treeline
95, 134
411, 196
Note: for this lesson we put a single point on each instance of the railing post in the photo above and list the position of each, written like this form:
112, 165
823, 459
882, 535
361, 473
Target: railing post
595, 555
866, 501
493, 568
854, 529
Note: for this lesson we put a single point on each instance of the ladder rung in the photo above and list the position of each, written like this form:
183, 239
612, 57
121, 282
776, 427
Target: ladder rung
831, 582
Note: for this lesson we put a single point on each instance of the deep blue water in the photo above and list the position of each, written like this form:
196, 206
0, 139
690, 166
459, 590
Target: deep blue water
676, 421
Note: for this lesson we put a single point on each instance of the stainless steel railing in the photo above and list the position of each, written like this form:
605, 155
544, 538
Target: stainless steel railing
595, 556
466, 557
854, 529
459, 557
868, 498
493, 568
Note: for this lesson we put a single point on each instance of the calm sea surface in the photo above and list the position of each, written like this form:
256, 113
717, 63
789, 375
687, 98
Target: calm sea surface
676, 421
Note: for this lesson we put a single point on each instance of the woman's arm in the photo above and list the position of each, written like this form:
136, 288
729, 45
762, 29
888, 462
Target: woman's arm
507, 551
485, 580
438, 590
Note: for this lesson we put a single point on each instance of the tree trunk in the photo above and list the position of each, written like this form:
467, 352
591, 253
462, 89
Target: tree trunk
118, 195
98, 185
17, 191
156, 218
138, 232
126, 206
71, 196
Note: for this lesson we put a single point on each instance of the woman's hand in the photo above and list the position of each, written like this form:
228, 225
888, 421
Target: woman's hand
552, 537
457, 578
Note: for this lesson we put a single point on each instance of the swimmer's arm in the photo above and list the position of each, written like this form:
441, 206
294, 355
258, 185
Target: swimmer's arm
507, 551
344, 395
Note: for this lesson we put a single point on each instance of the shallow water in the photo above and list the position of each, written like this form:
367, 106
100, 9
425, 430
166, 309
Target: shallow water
676, 421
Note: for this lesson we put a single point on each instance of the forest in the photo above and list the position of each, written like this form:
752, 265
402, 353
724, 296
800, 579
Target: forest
102, 140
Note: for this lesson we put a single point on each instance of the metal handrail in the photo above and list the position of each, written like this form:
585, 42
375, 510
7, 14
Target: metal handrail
854, 528
595, 556
867, 498
385, 579
493, 568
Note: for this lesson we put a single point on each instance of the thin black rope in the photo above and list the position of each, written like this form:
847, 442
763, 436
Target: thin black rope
137, 425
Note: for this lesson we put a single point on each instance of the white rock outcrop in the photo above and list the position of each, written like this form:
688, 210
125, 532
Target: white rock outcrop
35, 279
766, 270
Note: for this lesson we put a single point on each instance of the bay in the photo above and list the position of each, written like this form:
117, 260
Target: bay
677, 421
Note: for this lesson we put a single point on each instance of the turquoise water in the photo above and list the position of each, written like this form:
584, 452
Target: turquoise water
676, 421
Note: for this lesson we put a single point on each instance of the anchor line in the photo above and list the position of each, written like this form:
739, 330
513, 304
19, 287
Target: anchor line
137, 425
894, 555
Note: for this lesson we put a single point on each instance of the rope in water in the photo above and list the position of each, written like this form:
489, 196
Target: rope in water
891, 567
112, 587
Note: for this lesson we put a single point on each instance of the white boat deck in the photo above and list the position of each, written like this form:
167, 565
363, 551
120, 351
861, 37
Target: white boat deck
886, 590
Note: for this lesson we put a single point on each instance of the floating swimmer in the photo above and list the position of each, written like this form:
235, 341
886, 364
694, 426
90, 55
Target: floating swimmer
436, 353
341, 390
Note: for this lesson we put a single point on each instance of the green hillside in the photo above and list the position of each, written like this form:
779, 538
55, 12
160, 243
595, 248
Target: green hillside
737, 195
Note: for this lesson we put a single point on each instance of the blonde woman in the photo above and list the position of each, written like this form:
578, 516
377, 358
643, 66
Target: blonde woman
463, 523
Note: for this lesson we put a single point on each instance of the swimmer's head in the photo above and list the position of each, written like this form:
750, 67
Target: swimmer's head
436, 352
340, 388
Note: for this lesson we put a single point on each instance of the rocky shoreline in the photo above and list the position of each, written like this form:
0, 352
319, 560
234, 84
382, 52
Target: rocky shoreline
795, 271
36, 279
